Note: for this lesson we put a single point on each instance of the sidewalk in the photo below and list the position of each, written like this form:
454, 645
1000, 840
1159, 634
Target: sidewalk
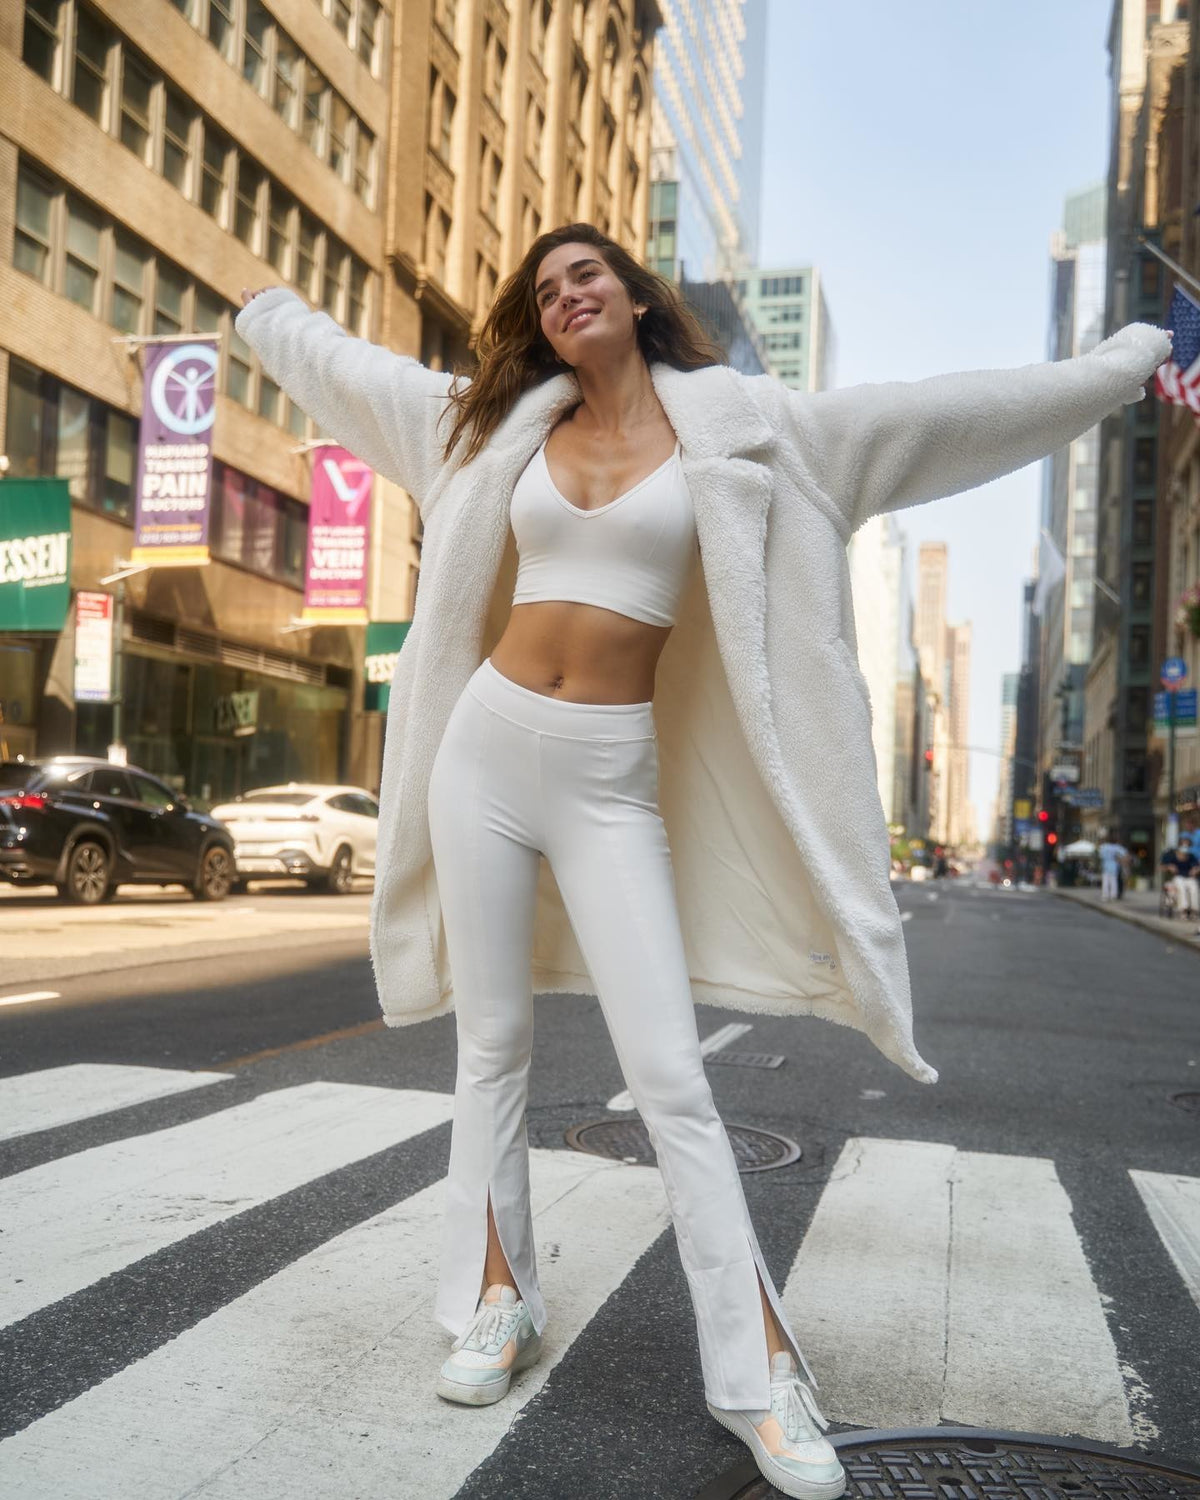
1138, 907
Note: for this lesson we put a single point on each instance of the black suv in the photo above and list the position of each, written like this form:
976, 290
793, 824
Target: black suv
88, 826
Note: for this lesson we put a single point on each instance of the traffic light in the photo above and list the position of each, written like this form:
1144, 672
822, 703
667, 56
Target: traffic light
929, 760
1052, 839
1043, 815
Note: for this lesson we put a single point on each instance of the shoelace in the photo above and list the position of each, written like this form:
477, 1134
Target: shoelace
796, 1409
493, 1323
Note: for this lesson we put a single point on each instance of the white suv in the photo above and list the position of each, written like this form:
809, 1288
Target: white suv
323, 835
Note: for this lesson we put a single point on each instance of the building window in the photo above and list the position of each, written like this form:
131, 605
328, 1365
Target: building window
120, 452
35, 204
446, 136
446, 14
1143, 523
81, 280
73, 458
237, 372
357, 309
368, 33
339, 136
342, 14
539, 24
177, 141
41, 48
279, 229
207, 311
1139, 645
170, 285
246, 213
306, 254
269, 397
535, 125
214, 185
437, 232
130, 259
1141, 584
137, 95
222, 28
364, 164
333, 280
1143, 460
492, 204
495, 57
89, 83
28, 423
288, 58
254, 46
316, 107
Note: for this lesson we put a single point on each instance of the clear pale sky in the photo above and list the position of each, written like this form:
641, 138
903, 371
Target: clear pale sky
919, 154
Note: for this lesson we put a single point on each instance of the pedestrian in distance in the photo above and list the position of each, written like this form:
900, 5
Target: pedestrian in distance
634, 560
1183, 868
1112, 858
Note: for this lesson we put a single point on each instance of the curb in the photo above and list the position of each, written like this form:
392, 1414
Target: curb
1158, 926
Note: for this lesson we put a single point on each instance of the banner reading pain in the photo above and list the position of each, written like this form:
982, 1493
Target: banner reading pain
339, 528
174, 473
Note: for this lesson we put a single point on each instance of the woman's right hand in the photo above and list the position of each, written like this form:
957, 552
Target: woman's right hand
248, 296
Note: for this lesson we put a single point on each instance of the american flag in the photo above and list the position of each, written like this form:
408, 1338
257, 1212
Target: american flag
1179, 379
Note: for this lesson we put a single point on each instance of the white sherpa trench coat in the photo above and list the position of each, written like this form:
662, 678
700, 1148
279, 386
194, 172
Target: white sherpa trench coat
767, 774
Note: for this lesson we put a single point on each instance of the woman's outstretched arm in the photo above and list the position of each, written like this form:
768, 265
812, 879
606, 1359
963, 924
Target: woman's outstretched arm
874, 448
383, 406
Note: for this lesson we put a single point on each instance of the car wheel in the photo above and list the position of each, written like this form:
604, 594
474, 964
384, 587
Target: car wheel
110, 891
341, 873
87, 874
238, 887
215, 875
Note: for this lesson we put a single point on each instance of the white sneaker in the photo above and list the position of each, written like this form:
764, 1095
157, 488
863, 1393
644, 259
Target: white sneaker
499, 1340
786, 1441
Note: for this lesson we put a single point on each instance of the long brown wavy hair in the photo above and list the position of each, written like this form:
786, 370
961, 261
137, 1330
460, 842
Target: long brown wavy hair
514, 354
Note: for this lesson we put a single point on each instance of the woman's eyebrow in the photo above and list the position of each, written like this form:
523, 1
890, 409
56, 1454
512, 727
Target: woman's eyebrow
574, 266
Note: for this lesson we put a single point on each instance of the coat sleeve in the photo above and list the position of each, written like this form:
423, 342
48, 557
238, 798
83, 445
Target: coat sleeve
382, 406
874, 448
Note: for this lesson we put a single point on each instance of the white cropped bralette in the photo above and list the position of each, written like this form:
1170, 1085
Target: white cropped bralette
632, 555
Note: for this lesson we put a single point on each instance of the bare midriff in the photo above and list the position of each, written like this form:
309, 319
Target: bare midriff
580, 652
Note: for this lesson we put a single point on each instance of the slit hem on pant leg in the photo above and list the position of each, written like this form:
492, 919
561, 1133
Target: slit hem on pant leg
776, 1302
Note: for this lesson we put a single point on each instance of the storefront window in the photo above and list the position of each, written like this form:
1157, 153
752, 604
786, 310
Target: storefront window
262, 530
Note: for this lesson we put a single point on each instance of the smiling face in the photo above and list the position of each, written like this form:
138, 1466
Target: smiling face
582, 305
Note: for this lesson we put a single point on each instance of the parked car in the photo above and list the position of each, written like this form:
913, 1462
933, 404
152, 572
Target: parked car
88, 826
323, 835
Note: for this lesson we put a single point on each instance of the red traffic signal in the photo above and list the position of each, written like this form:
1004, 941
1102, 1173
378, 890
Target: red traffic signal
1043, 816
928, 759
1052, 839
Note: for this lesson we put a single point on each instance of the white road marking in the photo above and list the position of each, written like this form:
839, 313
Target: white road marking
937, 1285
70, 1222
708, 1045
906, 916
1173, 1204
59, 1096
29, 998
320, 1381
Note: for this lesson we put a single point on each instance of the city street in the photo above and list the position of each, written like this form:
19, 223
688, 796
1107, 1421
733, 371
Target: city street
221, 1196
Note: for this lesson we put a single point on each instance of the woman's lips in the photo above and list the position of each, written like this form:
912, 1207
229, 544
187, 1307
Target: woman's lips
583, 312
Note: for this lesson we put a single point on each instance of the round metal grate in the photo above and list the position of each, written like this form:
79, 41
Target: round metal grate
954, 1463
627, 1139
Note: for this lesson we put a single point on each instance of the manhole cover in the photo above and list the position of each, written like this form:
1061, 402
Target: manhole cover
1189, 1102
627, 1140
748, 1059
955, 1463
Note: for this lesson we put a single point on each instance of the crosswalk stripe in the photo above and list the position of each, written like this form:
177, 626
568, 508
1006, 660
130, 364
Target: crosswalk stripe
1173, 1204
320, 1380
85, 1216
60, 1096
937, 1285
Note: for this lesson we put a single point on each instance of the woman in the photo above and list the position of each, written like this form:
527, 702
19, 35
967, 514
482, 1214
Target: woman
634, 558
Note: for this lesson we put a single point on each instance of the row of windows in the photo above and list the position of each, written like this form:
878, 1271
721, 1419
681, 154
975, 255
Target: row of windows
778, 286
77, 250
783, 340
68, 245
55, 429
84, 59
360, 24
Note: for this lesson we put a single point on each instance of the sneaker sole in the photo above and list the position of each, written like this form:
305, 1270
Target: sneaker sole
783, 1479
494, 1390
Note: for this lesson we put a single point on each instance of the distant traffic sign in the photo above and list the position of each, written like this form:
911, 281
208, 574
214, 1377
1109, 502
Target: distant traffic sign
1174, 671
1182, 711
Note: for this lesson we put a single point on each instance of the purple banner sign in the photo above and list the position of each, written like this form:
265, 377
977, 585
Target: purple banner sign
174, 469
339, 527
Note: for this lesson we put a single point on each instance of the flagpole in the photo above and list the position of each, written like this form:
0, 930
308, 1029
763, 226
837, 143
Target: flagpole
1167, 261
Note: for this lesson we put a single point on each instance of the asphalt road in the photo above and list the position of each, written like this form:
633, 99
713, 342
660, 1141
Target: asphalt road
1007, 1249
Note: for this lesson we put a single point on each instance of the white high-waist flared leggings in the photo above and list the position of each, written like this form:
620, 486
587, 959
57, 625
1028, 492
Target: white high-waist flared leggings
518, 775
